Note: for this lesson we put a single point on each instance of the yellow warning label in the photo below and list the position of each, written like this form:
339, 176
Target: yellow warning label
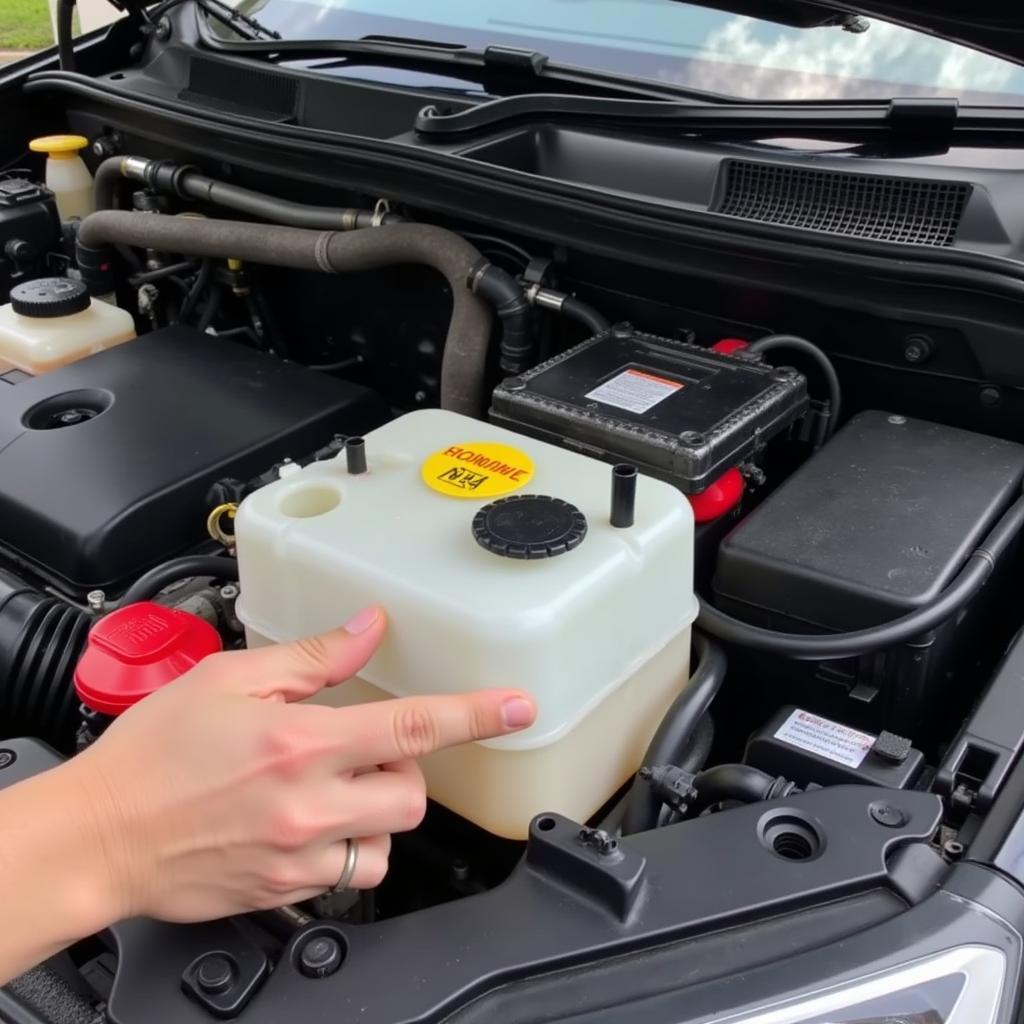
477, 469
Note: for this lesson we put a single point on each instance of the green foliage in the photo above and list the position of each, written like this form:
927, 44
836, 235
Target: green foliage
25, 25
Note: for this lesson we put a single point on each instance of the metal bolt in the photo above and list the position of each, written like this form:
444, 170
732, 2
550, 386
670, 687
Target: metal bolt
320, 956
95, 600
420, 396
7, 758
887, 815
990, 397
897, 421
163, 29
215, 973
229, 592
107, 145
953, 849
515, 384
691, 438
785, 373
917, 349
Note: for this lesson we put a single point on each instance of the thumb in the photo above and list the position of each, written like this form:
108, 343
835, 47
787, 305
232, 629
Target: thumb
297, 670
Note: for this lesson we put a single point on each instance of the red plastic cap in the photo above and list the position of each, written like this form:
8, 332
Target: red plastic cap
136, 650
727, 346
718, 498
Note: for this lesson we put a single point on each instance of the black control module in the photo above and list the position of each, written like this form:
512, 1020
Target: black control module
677, 411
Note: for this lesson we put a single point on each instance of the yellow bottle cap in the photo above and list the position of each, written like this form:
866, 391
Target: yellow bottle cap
59, 147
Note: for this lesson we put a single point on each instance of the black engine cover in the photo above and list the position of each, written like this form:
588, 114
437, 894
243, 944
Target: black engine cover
105, 464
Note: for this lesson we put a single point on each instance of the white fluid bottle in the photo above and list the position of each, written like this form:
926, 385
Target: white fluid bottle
66, 174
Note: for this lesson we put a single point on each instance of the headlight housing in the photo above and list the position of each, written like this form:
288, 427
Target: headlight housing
958, 986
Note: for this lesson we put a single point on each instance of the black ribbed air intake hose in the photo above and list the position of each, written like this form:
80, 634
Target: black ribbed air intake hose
41, 639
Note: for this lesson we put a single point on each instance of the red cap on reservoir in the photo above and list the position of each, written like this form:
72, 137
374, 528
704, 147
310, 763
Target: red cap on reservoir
137, 649
727, 346
717, 498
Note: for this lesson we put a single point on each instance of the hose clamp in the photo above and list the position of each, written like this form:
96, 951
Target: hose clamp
381, 209
548, 299
320, 250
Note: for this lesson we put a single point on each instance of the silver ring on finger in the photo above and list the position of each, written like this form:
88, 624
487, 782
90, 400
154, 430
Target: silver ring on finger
351, 856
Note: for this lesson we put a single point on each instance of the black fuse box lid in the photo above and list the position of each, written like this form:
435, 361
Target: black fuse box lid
105, 464
872, 526
677, 411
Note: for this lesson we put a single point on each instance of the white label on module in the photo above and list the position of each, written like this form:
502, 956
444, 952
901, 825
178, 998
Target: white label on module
634, 391
827, 739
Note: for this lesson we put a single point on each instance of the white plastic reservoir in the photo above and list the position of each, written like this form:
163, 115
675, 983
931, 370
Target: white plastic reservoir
52, 321
597, 629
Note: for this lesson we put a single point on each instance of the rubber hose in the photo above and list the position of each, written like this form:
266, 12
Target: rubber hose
66, 34
189, 183
147, 586
198, 287
464, 361
740, 782
594, 321
798, 344
106, 181
831, 646
211, 309
507, 297
675, 736
185, 266
193, 185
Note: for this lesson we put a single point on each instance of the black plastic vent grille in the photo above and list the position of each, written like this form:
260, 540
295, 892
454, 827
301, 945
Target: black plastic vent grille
233, 88
885, 209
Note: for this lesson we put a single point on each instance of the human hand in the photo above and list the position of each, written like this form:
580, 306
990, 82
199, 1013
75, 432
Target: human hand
215, 795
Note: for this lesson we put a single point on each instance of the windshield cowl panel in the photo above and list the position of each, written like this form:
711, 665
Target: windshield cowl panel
672, 43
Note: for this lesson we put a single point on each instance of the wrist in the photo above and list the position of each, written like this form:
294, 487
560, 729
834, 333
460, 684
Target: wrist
90, 877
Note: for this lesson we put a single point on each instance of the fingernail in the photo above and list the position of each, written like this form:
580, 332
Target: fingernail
361, 622
517, 713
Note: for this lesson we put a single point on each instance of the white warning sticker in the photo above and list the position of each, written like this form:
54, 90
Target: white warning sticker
634, 390
827, 739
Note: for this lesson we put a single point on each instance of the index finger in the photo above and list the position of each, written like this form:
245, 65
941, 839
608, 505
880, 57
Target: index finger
410, 727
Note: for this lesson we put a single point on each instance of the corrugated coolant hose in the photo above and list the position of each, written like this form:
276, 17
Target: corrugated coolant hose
469, 330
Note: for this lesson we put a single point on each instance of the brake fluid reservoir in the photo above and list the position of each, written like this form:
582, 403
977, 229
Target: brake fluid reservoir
66, 174
497, 561
52, 321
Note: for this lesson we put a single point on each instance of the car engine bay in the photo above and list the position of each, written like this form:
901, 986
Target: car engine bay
762, 583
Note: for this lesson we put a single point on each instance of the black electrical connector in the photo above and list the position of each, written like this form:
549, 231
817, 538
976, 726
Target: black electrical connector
671, 786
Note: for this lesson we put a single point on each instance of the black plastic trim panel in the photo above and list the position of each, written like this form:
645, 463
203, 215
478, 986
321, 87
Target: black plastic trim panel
568, 903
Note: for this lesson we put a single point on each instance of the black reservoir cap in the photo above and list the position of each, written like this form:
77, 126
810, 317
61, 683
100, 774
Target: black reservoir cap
49, 297
529, 526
